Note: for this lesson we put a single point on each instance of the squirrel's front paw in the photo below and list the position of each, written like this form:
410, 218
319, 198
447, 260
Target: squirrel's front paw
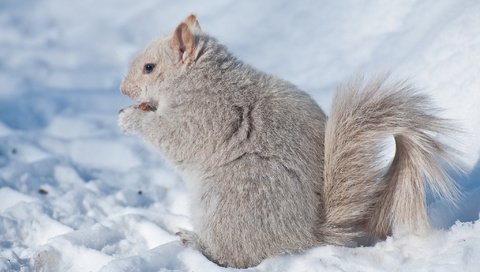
128, 119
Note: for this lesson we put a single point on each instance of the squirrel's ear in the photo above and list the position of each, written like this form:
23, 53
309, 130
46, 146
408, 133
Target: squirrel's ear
183, 42
192, 22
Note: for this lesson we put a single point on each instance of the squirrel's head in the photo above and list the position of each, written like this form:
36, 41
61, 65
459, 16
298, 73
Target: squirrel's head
160, 68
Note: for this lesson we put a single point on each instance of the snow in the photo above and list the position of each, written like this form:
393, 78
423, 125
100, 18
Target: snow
10, 198
78, 195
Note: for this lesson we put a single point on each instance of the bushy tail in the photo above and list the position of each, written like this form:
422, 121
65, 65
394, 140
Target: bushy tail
359, 196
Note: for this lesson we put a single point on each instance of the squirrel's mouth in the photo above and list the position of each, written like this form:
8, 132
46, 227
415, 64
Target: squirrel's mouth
147, 106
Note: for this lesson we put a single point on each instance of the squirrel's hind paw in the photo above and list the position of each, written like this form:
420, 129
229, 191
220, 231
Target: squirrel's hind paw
189, 239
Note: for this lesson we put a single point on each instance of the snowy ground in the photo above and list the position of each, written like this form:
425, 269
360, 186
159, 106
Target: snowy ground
77, 195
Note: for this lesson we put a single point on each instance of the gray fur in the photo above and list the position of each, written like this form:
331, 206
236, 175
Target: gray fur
359, 192
253, 148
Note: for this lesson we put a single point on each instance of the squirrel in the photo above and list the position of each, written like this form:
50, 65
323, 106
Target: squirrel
269, 173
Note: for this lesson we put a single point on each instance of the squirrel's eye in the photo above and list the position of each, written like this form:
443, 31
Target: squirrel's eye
148, 68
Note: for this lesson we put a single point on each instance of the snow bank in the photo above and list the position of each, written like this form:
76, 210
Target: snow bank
78, 195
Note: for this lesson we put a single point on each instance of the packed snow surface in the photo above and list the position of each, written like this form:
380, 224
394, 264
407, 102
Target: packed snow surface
78, 195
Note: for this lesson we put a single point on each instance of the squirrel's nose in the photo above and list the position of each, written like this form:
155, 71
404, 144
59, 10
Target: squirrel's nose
123, 88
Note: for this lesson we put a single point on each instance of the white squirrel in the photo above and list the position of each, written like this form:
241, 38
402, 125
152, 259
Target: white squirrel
269, 173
